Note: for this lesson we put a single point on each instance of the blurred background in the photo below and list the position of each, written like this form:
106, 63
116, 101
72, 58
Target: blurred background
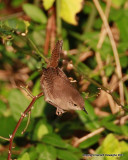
95, 58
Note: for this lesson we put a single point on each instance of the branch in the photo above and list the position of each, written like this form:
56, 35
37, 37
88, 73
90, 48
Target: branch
19, 122
114, 48
6, 139
101, 87
37, 50
27, 91
58, 18
97, 131
103, 33
107, 91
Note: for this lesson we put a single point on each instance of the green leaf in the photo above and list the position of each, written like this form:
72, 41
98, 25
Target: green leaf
112, 127
107, 119
81, 66
55, 140
7, 125
117, 3
124, 129
109, 70
46, 152
122, 24
38, 37
126, 94
16, 24
66, 155
91, 39
110, 145
36, 88
34, 12
24, 157
124, 61
38, 107
69, 9
18, 103
90, 120
124, 156
42, 128
16, 3
2, 107
32, 77
32, 153
89, 142
115, 14
124, 146
48, 3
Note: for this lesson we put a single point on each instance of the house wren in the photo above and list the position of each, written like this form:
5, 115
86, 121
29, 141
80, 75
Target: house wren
57, 89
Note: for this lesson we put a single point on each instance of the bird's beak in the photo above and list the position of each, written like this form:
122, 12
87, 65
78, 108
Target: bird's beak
85, 110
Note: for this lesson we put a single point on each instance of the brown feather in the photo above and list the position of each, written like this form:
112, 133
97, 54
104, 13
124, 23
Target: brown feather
56, 54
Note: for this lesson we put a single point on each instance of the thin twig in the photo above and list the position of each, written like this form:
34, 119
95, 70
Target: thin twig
37, 50
114, 48
103, 88
101, 113
28, 121
29, 113
50, 30
18, 14
19, 122
58, 3
31, 42
97, 131
103, 33
91, 18
27, 91
123, 120
6, 139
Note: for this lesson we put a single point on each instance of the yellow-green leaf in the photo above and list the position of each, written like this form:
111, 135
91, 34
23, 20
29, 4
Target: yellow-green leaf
48, 3
124, 146
69, 9
27, 24
110, 148
117, 3
34, 12
42, 130
25, 157
111, 145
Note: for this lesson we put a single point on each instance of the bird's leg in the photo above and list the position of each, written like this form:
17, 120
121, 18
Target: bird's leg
72, 80
59, 111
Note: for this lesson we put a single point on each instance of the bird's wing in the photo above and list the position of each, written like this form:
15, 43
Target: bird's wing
47, 79
62, 74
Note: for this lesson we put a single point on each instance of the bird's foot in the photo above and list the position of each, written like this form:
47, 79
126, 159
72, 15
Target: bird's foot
59, 111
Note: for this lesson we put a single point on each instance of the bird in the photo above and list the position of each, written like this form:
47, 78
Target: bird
58, 90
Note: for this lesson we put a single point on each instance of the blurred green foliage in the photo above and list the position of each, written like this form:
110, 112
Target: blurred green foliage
49, 137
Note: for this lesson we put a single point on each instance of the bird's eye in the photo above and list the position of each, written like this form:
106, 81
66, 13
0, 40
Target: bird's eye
75, 104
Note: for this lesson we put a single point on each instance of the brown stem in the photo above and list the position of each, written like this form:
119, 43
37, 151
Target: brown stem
50, 31
106, 90
19, 122
113, 107
97, 131
114, 48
